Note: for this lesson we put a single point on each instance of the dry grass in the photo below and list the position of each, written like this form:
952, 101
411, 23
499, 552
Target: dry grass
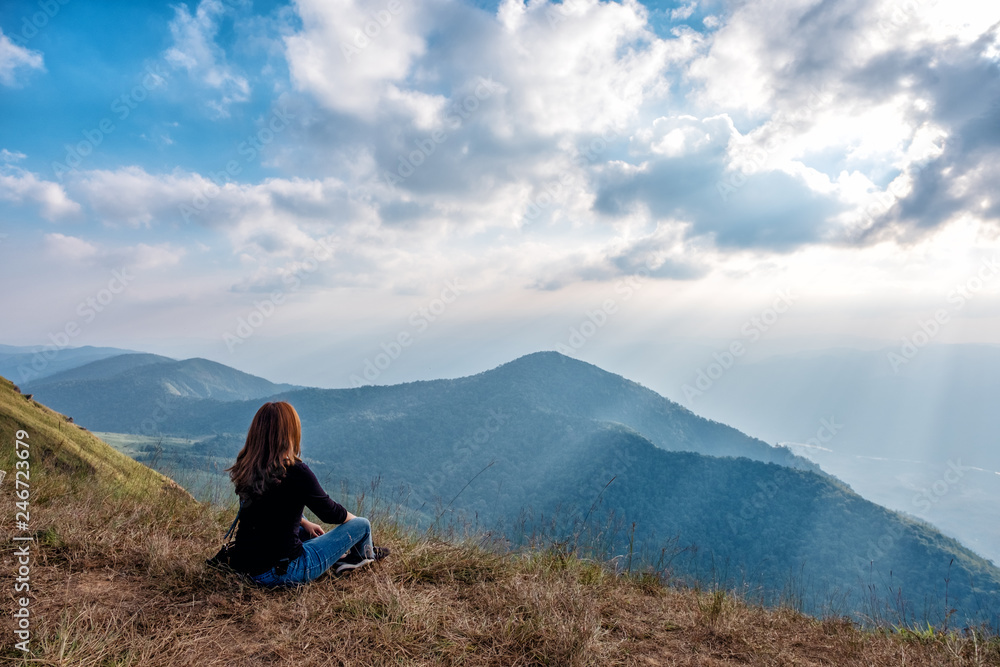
121, 581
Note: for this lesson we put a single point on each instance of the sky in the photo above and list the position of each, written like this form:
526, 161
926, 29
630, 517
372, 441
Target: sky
343, 192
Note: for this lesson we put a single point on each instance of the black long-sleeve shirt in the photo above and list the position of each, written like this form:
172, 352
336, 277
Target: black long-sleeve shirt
268, 528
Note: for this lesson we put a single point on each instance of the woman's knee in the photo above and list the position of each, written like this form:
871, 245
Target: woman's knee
360, 522
359, 529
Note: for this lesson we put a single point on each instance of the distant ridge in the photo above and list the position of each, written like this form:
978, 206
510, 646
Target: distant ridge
104, 368
22, 364
131, 389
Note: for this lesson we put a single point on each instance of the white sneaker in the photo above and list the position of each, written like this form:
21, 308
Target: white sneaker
350, 563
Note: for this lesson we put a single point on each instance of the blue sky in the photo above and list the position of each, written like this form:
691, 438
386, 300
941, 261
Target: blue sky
660, 170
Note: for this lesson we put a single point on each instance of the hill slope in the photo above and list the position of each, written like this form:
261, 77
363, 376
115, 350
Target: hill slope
554, 382
61, 451
124, 583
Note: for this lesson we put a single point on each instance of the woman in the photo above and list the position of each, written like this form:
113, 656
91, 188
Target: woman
275, 545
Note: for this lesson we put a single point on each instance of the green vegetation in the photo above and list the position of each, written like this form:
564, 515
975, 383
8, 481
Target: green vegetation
177, 458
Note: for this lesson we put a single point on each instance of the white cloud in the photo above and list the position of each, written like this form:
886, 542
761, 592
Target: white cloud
581, 66
133, 197
14, 58
18, 185
560, 75
11, 156
140, 256
683, 12
144, 256
70, 248
524, 188
684, 135
836, 69
277, 222
851, 100
662, 253
351, 52
276, 225
195, 51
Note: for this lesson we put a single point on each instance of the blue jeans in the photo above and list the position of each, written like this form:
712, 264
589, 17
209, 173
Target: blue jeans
320, 553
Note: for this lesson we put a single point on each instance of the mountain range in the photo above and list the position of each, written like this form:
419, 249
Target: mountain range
122, 547
112, 393
557, 449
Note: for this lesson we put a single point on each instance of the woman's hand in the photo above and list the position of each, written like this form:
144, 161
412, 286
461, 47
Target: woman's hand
349, 517
314, 529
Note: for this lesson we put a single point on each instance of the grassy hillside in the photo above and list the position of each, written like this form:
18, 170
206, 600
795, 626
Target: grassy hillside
119, 579
64, 455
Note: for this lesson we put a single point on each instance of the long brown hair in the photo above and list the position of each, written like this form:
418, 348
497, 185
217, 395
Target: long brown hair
274, 442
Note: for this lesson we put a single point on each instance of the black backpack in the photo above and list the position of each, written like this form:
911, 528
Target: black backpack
223, 559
